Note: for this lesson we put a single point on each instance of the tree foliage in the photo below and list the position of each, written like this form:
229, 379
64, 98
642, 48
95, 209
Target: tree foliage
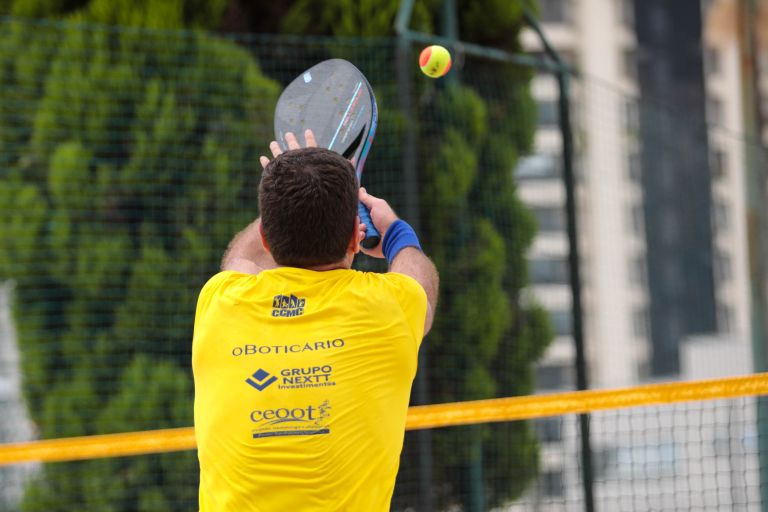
133, 13
486, 336
121, 268
120, 262
359, 18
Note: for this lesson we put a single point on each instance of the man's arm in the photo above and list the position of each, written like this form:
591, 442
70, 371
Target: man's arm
414, 263
246, 252
409, 261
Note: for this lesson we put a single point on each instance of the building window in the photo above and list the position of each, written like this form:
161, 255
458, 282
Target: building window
540, 166
552, 484
562, 322
641, 323
548, 271
556, 11
637, 220
635, 167
717, 162
549, 430
549, 219
714, 111
638, 272
722, 267
554, 376
724, 318
627, 13
547, 113
711, 60
721, 216
629, 63
631, 116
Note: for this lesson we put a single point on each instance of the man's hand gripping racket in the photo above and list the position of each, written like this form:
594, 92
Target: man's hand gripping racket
334, 100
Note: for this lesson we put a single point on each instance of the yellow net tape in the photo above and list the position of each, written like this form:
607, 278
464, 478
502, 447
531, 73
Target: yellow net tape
420, 417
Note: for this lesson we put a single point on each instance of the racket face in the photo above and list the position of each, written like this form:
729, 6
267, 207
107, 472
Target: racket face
360, 160
335, 101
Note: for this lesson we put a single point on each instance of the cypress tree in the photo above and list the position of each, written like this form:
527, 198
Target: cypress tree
131, 160
107, 348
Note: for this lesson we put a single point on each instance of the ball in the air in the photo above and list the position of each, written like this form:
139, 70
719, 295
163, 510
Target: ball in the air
435, 61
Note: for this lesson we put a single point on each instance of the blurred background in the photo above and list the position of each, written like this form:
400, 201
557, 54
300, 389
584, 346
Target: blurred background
590, 179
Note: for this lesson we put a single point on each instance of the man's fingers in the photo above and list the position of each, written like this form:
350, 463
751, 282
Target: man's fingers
275, 148
264, 161
309, 136
366, 198
291, 140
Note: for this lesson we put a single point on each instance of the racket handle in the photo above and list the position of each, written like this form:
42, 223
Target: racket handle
372, 236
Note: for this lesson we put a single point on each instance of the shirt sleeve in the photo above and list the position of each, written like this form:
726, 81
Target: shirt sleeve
413, 301
210, 289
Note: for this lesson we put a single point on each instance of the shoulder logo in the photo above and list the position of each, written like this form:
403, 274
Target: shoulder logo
288, 305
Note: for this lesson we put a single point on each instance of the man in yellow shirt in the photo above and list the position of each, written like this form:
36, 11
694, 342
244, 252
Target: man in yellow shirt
303, 367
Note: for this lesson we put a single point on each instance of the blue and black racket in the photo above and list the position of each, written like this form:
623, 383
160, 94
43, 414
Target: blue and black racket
335, 101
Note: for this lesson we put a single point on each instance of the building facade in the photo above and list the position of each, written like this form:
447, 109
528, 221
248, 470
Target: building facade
661, 196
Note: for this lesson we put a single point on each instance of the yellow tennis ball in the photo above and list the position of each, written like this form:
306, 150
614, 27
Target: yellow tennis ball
435, 61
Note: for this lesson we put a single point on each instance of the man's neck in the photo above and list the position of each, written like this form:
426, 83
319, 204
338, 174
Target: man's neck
345, 264
325, 268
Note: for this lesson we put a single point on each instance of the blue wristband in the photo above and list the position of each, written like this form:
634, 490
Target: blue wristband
399, 236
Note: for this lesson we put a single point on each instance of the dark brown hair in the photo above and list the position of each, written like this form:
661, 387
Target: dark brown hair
308, 203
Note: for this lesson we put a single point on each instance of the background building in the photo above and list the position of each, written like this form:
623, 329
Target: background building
610, 194
727, 167
656, 111
678, 231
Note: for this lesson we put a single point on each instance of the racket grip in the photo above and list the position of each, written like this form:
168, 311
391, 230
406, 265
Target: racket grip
372, 236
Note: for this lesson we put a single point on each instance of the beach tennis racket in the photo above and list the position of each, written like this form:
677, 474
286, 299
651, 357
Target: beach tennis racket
335, 101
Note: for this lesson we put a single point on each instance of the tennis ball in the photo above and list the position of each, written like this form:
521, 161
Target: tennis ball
435, 61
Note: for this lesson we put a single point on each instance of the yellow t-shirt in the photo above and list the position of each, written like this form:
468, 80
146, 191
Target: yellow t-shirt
302, 381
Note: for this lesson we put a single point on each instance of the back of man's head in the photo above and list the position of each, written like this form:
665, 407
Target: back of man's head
308, 203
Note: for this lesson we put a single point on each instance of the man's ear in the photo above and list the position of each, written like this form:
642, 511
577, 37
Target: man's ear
263, 237
354, 242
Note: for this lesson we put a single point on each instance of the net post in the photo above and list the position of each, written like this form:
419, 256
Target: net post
475, 472
757, 221
562, 73
582, 382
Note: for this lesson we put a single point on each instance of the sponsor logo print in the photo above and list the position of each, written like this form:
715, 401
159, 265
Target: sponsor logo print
261, 380
294, 378
291, 421
309, 377
288, 305
252, 349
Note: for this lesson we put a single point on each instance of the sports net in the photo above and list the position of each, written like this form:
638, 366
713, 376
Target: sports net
128, 159
677, 446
